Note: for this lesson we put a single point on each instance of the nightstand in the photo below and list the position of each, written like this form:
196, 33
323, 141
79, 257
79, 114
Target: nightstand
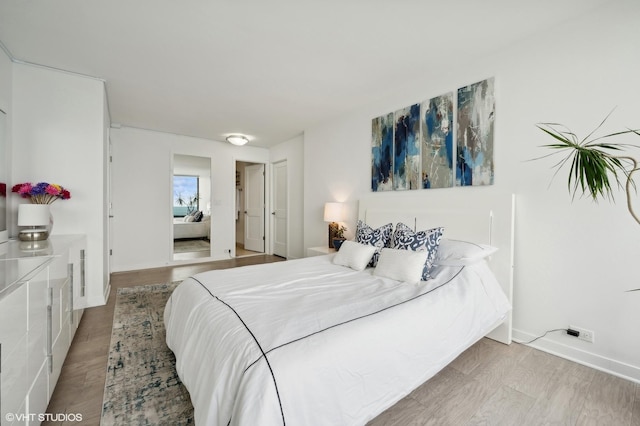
319, 251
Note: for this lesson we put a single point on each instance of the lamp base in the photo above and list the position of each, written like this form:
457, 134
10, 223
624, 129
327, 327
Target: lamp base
333, 229
33, 235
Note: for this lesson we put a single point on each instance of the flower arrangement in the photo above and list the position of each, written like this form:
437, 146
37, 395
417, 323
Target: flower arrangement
42, 192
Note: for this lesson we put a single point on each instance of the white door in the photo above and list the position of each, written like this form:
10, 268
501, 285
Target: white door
279, 212
254, 208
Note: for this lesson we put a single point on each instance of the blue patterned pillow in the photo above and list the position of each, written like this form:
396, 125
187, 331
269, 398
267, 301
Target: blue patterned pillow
405, 238
380, 238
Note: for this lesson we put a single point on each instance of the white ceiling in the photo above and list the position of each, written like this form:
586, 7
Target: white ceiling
265, 68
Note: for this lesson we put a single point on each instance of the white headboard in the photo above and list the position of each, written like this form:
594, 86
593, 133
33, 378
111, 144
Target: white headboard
479, 216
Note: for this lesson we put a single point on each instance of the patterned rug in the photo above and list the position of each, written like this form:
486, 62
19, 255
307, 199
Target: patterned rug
184, 246
142, 386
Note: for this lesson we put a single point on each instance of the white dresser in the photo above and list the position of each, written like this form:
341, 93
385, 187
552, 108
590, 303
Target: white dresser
38, 289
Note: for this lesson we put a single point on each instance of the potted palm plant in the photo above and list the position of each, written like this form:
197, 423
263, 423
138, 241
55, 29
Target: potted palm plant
191, 202
596, 163
338, 238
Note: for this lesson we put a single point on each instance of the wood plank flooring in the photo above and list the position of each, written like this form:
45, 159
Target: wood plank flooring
489, 384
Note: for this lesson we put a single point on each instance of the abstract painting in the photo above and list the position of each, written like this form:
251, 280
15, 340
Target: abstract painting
406, 160
437, 142
382, 153
474, 146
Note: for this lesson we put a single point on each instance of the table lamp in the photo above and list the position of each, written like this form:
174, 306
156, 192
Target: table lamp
332, 214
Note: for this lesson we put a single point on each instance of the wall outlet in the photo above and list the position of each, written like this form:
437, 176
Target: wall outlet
586, 335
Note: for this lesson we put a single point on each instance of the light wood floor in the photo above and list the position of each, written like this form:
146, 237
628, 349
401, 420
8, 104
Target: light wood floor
489, 384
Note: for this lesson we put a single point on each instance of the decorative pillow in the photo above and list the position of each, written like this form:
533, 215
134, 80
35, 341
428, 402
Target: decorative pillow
401, 265
379, 238
188, 218
461, 253
354, 255
197, 216
405, 238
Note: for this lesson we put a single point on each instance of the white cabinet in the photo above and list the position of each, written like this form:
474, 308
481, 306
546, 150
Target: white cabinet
37, 337
37, 322
13, 371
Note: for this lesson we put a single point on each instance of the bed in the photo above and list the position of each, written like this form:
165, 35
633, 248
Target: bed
191, 230
310, 341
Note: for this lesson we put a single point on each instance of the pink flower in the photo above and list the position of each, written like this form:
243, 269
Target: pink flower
53, 189
42, 192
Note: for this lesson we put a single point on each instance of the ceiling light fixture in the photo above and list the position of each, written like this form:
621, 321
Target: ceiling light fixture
238, 140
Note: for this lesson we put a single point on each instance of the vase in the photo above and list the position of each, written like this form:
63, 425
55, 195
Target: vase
49, 226
337, 242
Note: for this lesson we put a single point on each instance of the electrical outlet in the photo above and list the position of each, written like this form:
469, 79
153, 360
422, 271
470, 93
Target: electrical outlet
586, 335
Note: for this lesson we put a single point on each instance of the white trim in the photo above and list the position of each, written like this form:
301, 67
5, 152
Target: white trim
46, 67
601, 363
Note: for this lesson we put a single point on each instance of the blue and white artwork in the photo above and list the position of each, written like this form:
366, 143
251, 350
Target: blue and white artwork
382, 153
475, 129
406, 160
437, 142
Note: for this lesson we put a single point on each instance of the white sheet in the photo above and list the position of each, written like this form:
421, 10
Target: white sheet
342, 346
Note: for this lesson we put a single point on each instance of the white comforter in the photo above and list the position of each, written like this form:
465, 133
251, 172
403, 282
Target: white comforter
306, 342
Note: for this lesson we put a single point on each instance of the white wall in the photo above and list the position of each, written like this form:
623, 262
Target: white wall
574, 261
293, 152
58, 133
141, 182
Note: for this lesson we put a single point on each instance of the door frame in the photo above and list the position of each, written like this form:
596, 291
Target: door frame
272, 202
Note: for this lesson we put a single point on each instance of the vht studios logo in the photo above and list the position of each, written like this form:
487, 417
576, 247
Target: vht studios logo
43, 417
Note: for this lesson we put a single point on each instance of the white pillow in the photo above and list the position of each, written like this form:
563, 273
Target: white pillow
354, 255
401, 265
461, 253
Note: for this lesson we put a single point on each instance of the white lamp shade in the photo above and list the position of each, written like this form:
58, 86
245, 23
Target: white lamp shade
332, 212
33, 214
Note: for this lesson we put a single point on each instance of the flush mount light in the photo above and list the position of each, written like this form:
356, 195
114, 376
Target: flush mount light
237, 139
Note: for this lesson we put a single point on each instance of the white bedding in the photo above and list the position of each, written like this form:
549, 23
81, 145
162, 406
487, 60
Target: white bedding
183, 230
341, 346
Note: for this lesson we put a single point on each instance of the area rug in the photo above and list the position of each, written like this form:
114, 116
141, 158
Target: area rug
142, 386
184, 246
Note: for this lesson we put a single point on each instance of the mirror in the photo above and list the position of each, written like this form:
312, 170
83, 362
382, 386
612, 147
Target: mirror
191, 208
4, 174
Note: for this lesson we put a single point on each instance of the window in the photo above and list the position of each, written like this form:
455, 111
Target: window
185, 195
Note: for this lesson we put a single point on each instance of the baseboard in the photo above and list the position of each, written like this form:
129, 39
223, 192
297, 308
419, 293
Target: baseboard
598, 362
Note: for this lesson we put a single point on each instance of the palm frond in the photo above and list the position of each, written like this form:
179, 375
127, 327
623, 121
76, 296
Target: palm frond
594, 169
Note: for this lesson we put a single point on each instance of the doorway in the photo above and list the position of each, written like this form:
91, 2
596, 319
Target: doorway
250, 208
